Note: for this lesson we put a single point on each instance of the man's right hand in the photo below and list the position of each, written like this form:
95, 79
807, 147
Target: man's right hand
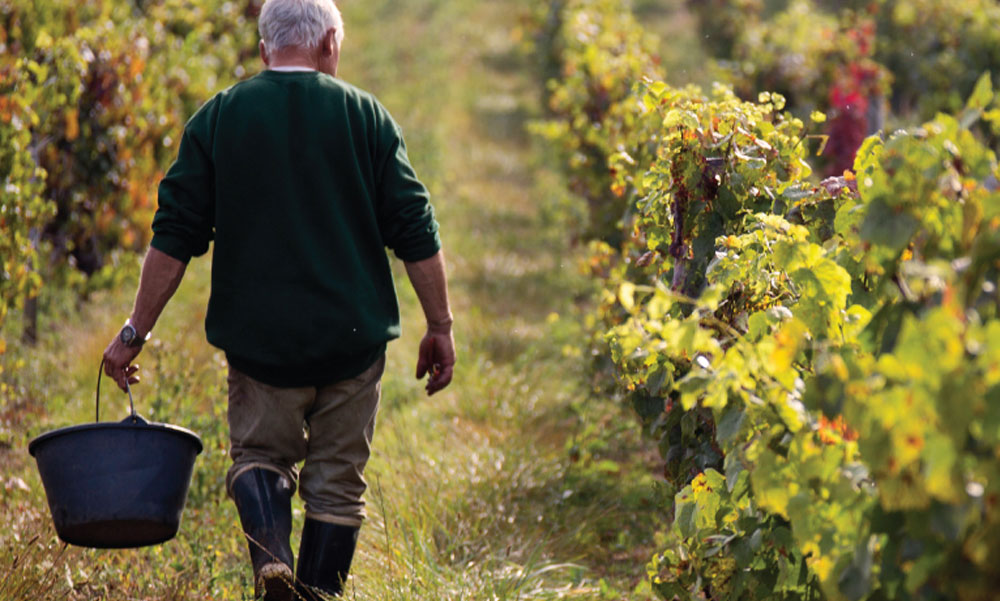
161, 274
436, 358
118, 363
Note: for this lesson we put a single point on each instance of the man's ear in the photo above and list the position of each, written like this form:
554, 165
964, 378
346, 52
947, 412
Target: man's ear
263, 54
329, 43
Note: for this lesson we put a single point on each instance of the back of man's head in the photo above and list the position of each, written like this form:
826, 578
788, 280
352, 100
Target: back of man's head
298, 23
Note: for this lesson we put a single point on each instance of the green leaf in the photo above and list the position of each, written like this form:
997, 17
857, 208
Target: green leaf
685, 516
855, 581
737, 478
758, 325
770, 486
993, 118
608, 467
743, 554
867, 158
883, 330
729, 425
693, 386
982, 94
886, 227
647, 405
714, 479
658, 88
655, 382
673, 118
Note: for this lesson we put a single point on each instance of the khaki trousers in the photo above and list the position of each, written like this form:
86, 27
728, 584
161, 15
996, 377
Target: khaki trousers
329, 427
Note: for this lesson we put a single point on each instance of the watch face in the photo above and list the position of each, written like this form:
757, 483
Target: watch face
127, 335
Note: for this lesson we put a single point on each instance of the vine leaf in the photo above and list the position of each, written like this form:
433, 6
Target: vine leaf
885, 226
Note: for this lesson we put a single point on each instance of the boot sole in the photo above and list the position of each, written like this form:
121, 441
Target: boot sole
276, 580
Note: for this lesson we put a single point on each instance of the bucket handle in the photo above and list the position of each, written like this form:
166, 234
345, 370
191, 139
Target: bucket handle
97, 398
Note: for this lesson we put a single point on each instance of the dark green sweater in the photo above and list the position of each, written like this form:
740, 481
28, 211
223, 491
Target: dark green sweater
302, 181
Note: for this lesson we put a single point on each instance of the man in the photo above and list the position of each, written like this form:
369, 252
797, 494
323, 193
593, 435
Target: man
302, 181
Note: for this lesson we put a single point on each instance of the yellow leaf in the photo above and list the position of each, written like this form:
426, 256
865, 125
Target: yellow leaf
72, 124
789, 340
626, 295
43, 40
821, 565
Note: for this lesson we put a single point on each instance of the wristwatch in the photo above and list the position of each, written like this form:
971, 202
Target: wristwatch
130, 337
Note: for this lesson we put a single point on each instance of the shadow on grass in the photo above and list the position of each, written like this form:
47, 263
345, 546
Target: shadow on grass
599, 512
502, 117
505, 61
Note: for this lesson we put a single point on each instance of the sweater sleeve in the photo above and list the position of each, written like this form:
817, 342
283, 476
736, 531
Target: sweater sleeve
185, 217
406, 217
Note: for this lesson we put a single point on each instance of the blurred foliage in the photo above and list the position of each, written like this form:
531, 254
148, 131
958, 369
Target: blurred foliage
599, 50
820, 62
722, 22
933, 51
95, 96
936, 50
854, 60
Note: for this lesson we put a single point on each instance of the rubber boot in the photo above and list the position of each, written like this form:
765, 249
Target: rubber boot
264, 501
324, 559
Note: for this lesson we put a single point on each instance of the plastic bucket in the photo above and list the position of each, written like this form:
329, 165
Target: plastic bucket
116, 484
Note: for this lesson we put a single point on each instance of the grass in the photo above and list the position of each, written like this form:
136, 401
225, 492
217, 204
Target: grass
511, 484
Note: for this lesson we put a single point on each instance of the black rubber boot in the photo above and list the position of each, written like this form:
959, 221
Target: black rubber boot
324, 559
264, 501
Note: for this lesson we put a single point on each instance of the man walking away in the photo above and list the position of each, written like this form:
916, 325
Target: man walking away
302, 181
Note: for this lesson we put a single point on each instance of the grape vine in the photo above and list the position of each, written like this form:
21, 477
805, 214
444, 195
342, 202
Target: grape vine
819, 359
94, 97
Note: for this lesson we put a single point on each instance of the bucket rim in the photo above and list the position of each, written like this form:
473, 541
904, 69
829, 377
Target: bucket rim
123, 425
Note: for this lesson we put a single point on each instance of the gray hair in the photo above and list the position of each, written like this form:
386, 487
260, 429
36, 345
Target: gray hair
301, 23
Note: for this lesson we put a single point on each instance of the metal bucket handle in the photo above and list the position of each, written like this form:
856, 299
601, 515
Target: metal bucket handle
97, 400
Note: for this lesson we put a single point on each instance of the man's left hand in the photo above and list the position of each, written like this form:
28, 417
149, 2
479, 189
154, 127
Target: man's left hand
436, 359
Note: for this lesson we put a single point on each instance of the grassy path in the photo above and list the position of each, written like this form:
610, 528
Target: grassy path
472, 492
482, 470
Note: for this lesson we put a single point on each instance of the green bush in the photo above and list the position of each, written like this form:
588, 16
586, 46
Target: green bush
838, 355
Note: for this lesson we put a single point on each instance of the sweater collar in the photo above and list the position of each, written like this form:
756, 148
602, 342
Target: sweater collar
291, 69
